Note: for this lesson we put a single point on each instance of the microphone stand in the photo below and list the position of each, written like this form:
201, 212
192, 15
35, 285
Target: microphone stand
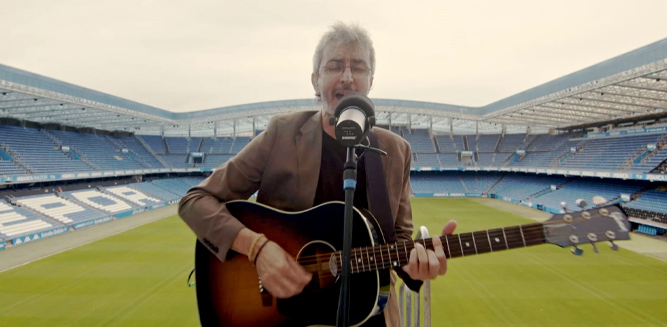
349, 185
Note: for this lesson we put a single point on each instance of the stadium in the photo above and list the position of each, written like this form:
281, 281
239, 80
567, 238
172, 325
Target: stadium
74, 162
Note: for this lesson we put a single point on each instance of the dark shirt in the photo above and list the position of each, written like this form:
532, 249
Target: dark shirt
330, 187
330, 183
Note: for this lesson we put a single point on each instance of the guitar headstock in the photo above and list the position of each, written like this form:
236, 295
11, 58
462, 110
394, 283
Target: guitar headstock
590, 226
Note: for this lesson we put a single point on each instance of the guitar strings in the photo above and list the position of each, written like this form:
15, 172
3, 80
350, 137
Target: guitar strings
313, 263
522, 235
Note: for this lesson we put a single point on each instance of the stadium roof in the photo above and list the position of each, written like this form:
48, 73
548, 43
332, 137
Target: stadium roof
630, 85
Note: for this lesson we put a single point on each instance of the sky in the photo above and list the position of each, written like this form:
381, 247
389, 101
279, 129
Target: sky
192, 55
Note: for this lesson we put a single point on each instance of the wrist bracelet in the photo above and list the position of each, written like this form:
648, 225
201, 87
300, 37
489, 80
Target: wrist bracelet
259, 249
253, 244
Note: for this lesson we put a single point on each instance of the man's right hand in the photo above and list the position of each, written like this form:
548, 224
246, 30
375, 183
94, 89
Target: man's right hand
281, 275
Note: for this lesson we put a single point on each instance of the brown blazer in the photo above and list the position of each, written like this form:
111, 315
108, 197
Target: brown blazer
283, 165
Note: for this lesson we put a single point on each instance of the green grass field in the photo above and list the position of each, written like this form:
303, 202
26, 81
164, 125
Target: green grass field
138, 278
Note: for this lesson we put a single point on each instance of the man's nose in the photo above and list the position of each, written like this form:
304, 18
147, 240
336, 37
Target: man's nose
347, 75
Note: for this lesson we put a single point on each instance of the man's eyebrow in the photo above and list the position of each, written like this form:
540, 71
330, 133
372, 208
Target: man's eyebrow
354, 61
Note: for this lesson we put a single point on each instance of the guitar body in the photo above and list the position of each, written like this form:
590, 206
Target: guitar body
228, 292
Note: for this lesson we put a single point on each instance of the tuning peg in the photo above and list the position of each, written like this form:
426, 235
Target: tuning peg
595, 248
563, 204
577, 251
613, 246
598, 200
581, 203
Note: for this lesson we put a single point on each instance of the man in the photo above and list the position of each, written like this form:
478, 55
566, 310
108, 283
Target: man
297, 163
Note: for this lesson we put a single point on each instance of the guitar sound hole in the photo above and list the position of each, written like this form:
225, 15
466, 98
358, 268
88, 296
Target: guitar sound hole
315, 258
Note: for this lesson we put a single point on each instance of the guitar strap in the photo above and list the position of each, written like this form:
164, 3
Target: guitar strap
377, 191
379, 203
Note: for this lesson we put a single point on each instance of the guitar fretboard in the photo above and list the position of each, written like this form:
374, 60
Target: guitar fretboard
458, 245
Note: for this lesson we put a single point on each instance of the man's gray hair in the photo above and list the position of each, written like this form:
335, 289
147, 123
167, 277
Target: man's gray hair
344, 34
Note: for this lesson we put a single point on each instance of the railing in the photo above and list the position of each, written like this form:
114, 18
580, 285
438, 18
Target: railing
411, 303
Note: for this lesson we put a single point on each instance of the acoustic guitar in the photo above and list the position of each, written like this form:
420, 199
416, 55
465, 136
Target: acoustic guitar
228, 292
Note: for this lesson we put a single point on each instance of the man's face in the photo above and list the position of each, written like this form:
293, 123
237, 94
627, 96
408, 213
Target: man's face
344, 69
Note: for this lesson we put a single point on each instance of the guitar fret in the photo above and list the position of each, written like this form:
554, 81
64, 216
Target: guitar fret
372, 259
488, 237
398, 258
405, 250
448, 250
356, 261
474, 243
391, 261
505, 237
463, 254
495, 236
522, 237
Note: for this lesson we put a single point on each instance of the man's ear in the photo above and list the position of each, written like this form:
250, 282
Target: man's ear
313, 80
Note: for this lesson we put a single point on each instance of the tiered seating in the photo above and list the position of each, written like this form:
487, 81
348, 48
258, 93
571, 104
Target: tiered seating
610, 153
195, 142
59, 209
156, 191
15, 222
37, 152
586, 188
98, 150
215, 160
133, 196
547, 142
449, 160
449, 144
239, 143
479, 182
219, 145
10, 168
155, 142
437, 183
132, 144
513, 142
177, 144
494, 159
471, 140
179, 186
98, 200
176, 160
653, 161
487, 142
426, 160
652, 200
420, 141
522, 186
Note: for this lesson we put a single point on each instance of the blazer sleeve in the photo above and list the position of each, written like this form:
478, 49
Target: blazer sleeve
203, 207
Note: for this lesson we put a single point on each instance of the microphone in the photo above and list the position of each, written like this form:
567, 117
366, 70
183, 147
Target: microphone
354, 117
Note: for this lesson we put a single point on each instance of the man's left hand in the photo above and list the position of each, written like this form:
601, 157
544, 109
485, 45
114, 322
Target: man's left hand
429, 264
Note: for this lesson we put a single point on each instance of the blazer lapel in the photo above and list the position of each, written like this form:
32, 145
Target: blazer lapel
309, 157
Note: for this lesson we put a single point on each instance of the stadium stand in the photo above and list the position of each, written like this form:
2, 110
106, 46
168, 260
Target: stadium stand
33, 151
16, 222
420, 141
132, 195
97, 151
59, 209
140, 152
98, 200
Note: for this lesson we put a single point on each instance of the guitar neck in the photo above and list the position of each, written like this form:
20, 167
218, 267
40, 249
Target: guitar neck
458, 245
